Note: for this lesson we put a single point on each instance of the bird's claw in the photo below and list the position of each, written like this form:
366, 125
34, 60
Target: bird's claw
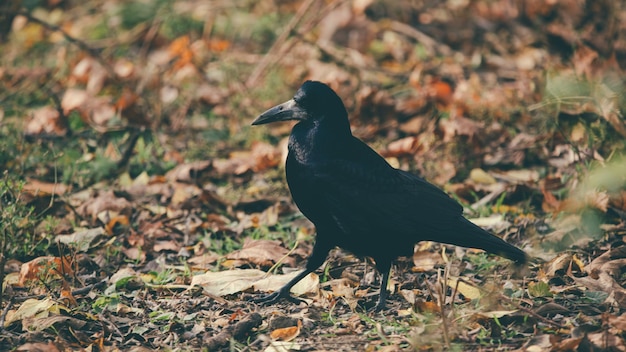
276, 296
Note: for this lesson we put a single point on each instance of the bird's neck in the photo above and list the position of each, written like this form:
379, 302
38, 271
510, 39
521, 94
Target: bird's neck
318, 138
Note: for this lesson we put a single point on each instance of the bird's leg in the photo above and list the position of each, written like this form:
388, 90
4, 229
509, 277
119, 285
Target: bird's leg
317, 257
283, 292
384, 268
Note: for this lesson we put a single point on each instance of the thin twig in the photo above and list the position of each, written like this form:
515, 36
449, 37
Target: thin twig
79, 43
76, 292
282, 259
428, 42
273, 54
534, 314
5, 311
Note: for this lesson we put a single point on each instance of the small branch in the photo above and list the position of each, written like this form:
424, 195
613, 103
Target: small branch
273, 54
5, 311
79, 43
80, 291
128, 153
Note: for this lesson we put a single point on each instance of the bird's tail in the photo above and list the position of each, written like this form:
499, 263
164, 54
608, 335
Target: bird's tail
476, 237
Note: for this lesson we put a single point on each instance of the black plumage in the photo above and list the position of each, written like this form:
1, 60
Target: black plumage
358, 201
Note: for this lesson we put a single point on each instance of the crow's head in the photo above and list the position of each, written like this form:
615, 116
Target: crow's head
314, 101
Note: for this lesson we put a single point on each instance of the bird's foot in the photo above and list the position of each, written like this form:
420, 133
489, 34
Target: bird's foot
276, 296
370, 307
378, 307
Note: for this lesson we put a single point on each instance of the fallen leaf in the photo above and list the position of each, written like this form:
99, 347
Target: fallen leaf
495, 314
400, 147
81, 240
283, 346
46, 120
309, 283
426, 260
470, 292
37, 346
262, 252
286, 334
39, 188
105, 201
45, 266
481, 177
31, 308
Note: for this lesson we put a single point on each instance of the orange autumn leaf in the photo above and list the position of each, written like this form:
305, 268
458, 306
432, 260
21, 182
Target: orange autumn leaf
67, 297
127, 99
180, 48
286, 334
179, 45
429, 306
218, 45
45, 266
121, 220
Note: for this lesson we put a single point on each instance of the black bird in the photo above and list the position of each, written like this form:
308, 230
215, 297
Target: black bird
358, 201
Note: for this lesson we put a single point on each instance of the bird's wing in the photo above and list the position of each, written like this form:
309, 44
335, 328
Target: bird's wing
370, 195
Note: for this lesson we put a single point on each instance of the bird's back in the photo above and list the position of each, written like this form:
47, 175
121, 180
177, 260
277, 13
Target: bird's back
372, 209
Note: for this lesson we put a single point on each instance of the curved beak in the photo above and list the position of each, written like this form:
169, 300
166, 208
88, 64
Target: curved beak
288, 110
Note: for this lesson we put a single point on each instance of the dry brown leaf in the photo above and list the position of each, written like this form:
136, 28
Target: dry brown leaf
223, 283
171, 246
470, 292
607, 342
459, 126
46, 120
590, 199
269, 217
494, 314
38, 188
81, 240
287, 333
446, 170
124, 68
519, 176
550, 204
135, 254
99, 111
611, 262
426, 260
233, 281
66, 296
209, 94
184, 193
566, 345
480, 176
559, 265
400, 147
308, 284
265, 156
74, 99
618, 200
45, 266
105, 201
427, 306
343, 288
204, 260
38, 346
32, 308
262, 252
120, 220
617, 323
539, 343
